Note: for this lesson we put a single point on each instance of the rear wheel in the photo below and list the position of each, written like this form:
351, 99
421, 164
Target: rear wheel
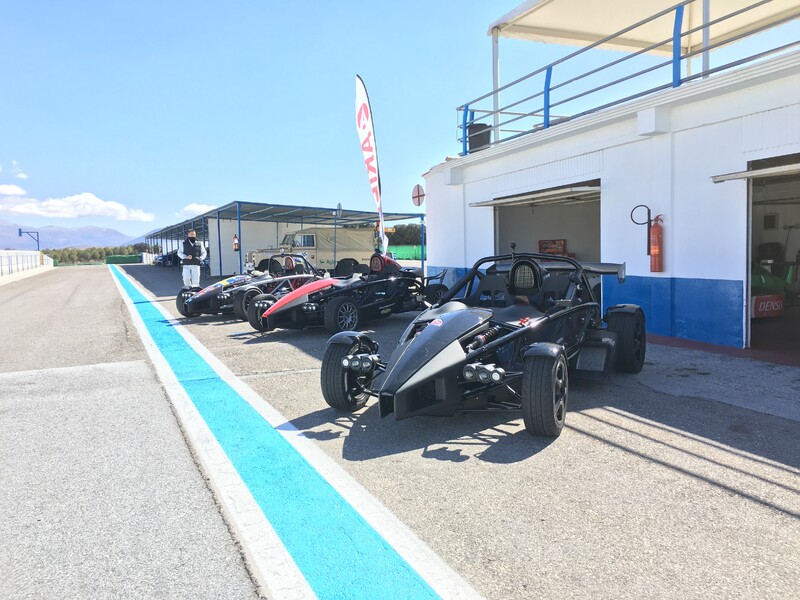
545, 387
631, 340
341, 387
242, 301
257, 306
434, 293
341, 314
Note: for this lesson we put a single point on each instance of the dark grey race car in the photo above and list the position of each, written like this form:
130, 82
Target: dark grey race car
507, 336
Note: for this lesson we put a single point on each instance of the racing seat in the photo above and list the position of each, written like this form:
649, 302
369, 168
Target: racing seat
524, 280
492, 292
554, 288
345, 267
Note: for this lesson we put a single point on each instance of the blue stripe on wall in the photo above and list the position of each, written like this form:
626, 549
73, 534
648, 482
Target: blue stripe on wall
339, 554
704, 310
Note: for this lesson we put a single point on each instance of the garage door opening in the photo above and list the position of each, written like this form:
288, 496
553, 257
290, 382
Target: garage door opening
556, 221
774, 287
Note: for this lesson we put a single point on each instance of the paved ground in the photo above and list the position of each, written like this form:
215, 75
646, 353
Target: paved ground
681, 481
99, 493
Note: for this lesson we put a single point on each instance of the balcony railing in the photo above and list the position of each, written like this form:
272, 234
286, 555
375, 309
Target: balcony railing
539, 100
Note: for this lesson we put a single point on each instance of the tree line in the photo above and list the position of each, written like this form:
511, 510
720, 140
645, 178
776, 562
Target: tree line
71, 256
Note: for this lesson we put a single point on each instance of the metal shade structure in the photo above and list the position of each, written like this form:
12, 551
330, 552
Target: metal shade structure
239, 212
307, 215
585, 22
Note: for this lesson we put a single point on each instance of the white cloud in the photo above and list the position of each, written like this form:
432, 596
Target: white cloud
79, 205
192, 210
17, 171
11, 190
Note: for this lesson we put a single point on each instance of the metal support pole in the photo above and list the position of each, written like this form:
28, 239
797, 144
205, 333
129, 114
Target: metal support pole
464, 135
706, 37
219, 244
422, 241
239, 221
34, 235
547, 78
496, 84
676, 47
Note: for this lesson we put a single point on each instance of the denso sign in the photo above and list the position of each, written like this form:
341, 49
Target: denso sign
767, 306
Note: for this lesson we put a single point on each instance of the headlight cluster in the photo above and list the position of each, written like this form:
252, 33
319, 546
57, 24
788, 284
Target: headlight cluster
224, 296
361, 362
480, 373
310, 306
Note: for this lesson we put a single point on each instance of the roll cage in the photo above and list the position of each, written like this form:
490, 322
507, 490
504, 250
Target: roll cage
545, 281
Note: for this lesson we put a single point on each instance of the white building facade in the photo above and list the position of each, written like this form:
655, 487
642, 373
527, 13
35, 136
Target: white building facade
580, 181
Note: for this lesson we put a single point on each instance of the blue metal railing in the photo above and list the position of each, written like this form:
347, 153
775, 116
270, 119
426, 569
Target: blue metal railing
638, 73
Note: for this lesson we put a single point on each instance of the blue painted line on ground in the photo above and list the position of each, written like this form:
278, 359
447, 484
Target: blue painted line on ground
337, 551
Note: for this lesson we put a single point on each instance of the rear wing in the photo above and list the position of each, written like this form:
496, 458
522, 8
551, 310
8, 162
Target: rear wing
617, 269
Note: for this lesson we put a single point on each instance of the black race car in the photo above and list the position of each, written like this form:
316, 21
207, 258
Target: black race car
167, 260
343, 303
508, 335
233, 294
288, 272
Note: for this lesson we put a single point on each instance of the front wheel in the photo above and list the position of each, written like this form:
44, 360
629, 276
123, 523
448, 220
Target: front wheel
342, 388
180, 302
631, 340
341, 314
258, 304
545, 387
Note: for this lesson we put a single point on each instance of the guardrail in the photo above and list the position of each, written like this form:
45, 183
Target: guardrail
13, 262
530, 100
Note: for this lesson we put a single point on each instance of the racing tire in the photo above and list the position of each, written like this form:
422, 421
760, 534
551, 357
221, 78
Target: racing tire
243, 300
631, 340
341, 314
254, 314
180, 304
545, 388
339, 385
434, 293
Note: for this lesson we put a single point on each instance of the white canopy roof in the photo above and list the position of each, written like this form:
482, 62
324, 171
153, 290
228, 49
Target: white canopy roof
583, 22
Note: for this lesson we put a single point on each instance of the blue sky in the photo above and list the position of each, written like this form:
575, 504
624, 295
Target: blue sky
158, 105
123, 114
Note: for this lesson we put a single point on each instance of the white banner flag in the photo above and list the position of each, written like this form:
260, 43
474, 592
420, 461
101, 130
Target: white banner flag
366, 135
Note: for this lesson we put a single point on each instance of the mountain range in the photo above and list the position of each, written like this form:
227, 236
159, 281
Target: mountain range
61, 237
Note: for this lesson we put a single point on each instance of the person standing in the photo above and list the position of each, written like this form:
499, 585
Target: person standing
192, 253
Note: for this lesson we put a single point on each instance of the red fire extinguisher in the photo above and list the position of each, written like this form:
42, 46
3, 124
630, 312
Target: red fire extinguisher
235, 243
657, 245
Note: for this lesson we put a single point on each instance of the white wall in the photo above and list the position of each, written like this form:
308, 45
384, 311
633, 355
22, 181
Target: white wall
444, 222
254, 235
